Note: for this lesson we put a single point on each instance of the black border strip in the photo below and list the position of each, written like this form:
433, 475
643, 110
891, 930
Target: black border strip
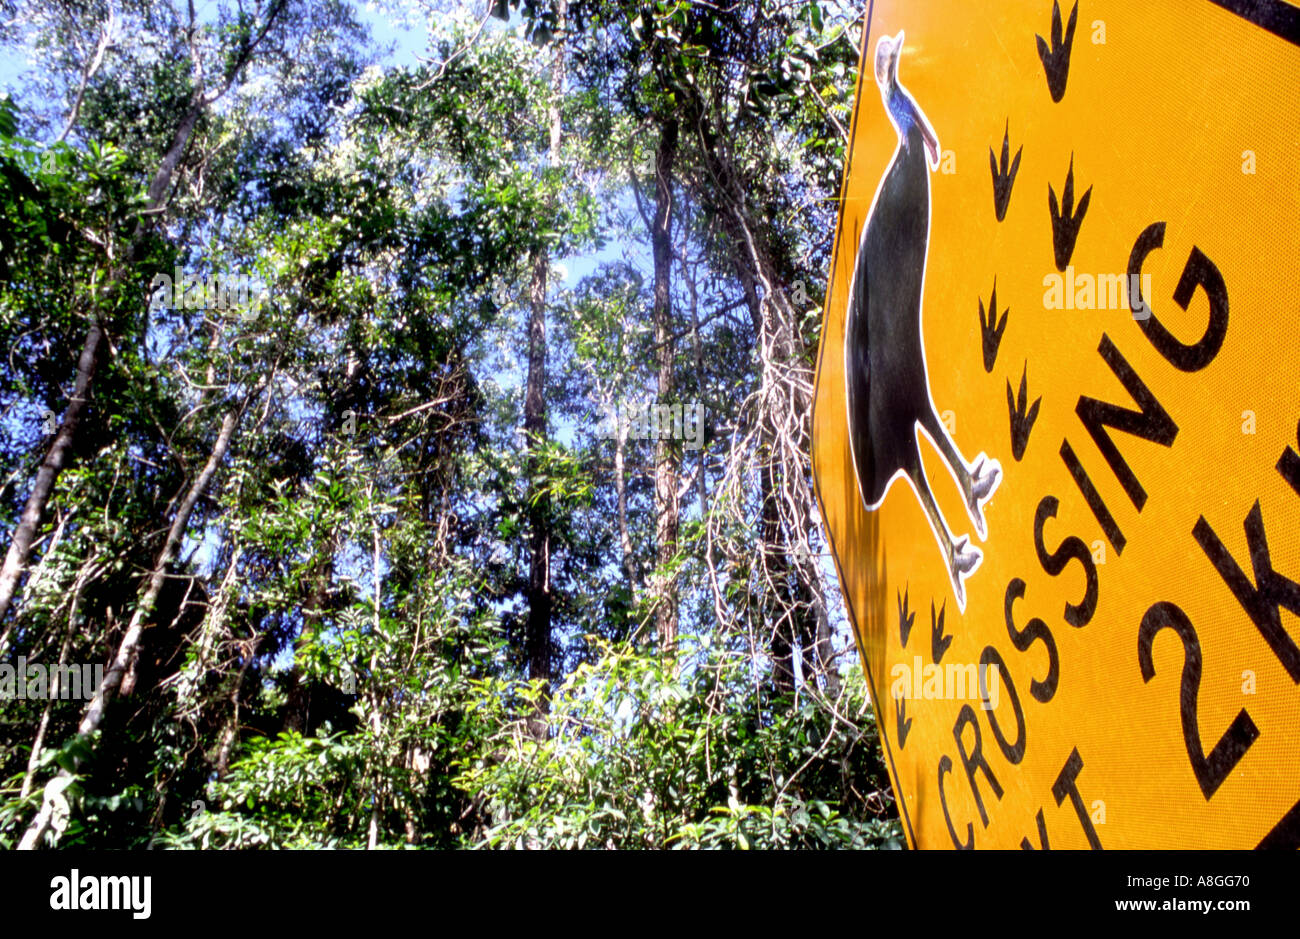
1279, 18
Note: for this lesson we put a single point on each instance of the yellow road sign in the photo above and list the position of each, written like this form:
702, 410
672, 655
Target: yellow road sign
1057, 417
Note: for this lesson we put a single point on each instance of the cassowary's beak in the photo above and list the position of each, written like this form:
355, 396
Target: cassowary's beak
887, 51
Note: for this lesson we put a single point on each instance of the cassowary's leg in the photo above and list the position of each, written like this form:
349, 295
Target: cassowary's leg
960, 558
934, 427
977, 485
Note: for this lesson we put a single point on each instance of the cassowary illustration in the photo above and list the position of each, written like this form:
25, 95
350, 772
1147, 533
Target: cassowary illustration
887, 383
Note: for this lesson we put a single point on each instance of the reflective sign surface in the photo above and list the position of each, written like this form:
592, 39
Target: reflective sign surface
1057, 416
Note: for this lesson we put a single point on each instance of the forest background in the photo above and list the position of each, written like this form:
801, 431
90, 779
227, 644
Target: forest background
323, 325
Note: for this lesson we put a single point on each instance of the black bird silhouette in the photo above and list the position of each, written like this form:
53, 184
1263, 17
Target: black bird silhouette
886, 379
1065, 218
991, 329
1056, 61
1004, 177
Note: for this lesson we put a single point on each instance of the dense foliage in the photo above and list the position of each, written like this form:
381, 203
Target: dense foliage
307, 432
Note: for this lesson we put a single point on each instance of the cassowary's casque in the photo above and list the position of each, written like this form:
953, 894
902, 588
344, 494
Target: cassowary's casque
887, 383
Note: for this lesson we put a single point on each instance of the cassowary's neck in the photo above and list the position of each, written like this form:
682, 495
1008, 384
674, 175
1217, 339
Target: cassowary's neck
902, 110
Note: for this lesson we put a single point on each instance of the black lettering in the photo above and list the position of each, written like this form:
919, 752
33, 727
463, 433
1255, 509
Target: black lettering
1013, 752
1042, 835
975, 759
1199, 271
1232, 746
1066, 784
1035, 631
1289, 465
1285, 835
945, 766
1272, 590
1077, 615
1151, 423
1093, 498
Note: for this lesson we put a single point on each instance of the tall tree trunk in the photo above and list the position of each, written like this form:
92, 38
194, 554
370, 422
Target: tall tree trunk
375, 696
129, 648
689, 276
775, 579
620, 489
667, 452
20, 546
825, 648
537, 637
771, 553
24, 535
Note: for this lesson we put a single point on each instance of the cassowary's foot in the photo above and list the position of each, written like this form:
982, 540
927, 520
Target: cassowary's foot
985, 477
962, 564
